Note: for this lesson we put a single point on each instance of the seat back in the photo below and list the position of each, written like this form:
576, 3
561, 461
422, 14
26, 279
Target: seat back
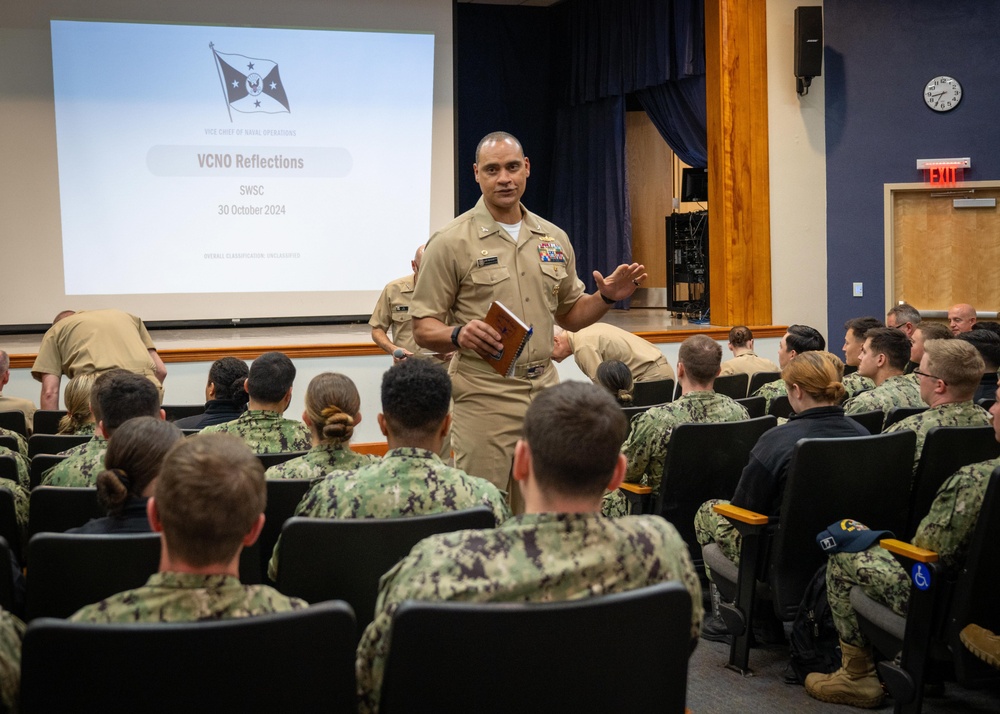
283, 496
872, 421
780, 407
899, 413
180, 411
8, 468
54, 443
301, 661
584, 636
14, 421
54, 509
759, 379
323, 559
755, 406
986, 402
974, 597
659, 391
40, 463
279, 457
732, 385
9, 528
632, 412
946, 450
829, 480
9, 442
704, 461
46, 421
69, 571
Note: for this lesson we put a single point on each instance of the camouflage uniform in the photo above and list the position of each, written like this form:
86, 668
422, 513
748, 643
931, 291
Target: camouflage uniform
538, 557
11, 634
896, 391
769, 391
266, 432
710, 527
951, 414
81, 467
19, 489
855, 384
946, 529
22, 443
188, 597
23, 475
406, 482
319, 461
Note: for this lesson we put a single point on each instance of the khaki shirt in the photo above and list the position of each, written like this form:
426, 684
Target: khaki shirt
392, 314
470, 263
747, 363
95, 341
16, 404
602, 342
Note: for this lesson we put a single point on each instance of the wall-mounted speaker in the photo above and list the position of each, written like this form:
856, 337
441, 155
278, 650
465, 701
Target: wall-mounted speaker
808, 46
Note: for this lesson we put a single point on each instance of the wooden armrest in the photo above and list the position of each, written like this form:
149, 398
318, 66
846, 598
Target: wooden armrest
921, 555
636, 488
734, 513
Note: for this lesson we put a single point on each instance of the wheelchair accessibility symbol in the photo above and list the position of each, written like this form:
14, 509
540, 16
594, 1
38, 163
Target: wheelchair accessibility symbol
921, 576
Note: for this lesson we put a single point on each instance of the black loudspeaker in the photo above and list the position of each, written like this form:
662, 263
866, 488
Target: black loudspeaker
808, 41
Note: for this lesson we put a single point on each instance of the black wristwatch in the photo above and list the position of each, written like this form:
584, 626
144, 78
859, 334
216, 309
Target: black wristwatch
454, 335
607, 300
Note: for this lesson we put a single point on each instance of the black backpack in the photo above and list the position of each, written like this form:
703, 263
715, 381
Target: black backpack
815, 644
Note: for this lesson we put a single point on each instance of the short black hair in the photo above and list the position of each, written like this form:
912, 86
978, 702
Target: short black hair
860, 325
416, 396
495, 137
125, 395
988, 344
228, 375
271, 376
802, 338
575, 431
892, 343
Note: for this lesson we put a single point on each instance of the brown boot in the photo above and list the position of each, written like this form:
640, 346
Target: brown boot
855, 683
982, 643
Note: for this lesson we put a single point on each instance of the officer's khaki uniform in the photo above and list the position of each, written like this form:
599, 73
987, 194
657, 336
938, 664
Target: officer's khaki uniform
392, 314
96, 341
747, 363
467, 265
16, 404
602, 342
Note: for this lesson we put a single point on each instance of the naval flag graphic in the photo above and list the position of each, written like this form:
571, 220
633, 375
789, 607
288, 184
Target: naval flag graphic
250, 84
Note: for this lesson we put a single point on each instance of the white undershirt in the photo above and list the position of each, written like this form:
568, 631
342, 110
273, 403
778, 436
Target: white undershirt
512, 229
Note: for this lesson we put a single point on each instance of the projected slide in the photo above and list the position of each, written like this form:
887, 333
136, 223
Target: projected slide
197, 159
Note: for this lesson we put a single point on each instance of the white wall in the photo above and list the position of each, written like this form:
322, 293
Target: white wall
796, 136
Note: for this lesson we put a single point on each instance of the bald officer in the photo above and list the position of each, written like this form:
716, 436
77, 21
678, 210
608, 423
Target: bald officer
501, 251
391, 316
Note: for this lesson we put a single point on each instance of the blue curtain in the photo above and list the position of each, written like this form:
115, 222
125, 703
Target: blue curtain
652, 48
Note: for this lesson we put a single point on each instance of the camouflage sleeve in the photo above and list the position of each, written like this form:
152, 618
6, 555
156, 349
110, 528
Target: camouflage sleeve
645, 448
947, 527
11, 634
681, 568
857, 404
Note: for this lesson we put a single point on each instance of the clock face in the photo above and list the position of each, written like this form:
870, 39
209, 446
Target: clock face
942, 94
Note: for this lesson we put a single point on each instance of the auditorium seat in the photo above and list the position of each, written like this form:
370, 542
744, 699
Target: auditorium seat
732, 385
759, 379
55, 509
871, 420
14, 421
46, 421
280, 457
40, 463
180, 411
659, 391
899, 413
54, 443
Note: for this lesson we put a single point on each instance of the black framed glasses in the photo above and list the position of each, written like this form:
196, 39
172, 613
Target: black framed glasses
929, 376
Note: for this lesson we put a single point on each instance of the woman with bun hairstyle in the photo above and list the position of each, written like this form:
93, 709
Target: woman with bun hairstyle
815, 391
78, 418
615, 376
132, 462
333, 409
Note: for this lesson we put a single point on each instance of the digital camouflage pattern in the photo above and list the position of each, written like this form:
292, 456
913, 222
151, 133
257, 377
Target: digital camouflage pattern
710, 527
266, 432
770, 391
896, 391
951, 414
11, 634
855, 384
22, 464
539, 557
22, 443
188, 597
649, 436
946, 529
406, 482
319, 461
81, 466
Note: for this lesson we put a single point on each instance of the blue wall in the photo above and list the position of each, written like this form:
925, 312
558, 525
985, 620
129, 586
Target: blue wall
879, 55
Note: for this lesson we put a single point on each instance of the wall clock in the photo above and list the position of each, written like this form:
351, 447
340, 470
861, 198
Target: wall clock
942, 94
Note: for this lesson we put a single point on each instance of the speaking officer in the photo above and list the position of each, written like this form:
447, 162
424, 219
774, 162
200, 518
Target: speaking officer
501, 251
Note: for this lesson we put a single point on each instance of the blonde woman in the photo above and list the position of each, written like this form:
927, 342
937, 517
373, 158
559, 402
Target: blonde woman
78, 419
333, 409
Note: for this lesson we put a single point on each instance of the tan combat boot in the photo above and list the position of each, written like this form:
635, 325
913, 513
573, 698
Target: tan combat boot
855, 683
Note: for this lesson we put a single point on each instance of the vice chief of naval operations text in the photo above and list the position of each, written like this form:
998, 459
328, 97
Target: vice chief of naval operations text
501, 251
